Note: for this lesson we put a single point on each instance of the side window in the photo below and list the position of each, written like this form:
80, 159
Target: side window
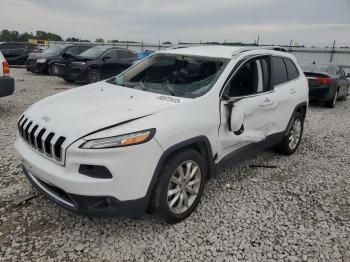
125, 54
342, 71
82, 49
278, 71
252, 78
338, 71
112, 53
292, 70
71, 50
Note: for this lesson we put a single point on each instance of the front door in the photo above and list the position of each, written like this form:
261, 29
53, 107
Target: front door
250, 88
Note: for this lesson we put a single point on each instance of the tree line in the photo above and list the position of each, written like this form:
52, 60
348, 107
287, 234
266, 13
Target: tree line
15, 36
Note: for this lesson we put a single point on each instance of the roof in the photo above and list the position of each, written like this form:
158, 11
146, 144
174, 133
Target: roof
221, 51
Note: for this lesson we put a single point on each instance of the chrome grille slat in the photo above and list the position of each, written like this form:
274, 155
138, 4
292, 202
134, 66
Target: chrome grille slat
42, 140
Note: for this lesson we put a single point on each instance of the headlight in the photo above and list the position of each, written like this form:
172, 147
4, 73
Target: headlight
120, 141
78, 63
41, 60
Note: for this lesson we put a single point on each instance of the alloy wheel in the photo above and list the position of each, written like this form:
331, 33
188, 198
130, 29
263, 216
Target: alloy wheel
94, 76
295, 134
184, 187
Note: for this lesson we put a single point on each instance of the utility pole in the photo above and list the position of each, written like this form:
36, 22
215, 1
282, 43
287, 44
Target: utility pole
257, 41
332, 53
290, 45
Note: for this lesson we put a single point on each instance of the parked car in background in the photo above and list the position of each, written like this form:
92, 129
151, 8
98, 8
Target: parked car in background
96, 64
7, 84
16, 53
327, 83
150, 138
48, 60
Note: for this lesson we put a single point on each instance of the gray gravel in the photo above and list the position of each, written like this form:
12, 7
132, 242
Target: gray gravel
299, 211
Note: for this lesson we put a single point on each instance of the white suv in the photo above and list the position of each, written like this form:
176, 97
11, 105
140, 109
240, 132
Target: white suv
148, 139
6, 82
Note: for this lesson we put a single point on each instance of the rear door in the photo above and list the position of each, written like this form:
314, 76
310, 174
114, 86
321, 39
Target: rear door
285, 81
250, 88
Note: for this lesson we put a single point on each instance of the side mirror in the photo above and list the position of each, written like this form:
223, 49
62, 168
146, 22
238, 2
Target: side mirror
348, 75
65, 55
236, 118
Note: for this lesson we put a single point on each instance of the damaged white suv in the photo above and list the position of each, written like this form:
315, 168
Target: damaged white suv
148, 139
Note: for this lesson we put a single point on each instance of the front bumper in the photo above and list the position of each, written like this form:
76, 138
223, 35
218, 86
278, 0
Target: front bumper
88, 205
124, 194
33, 66
7, 86
71, 73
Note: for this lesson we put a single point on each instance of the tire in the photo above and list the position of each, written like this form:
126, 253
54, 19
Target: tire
173, 209
287, 147
331, 104
93, 76
53, 69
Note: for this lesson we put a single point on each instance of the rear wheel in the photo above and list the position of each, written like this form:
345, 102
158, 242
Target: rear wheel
93, 76
180, 186
53, 69
331, 104
292, 139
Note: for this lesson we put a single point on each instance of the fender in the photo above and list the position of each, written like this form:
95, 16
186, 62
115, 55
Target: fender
207, 150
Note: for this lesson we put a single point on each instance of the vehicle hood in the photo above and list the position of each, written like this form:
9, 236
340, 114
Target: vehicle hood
41, 55
88, 109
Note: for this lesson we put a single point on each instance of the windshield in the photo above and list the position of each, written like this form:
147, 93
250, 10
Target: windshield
55, 50
93, 53
318, 68
177, 75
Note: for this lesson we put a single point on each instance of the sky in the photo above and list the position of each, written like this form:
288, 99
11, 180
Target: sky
305, 22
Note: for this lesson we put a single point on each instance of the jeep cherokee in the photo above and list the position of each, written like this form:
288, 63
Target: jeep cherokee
149, 138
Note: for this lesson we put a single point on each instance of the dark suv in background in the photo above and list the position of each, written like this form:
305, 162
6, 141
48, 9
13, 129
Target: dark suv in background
96, 64
17, 53
48, 60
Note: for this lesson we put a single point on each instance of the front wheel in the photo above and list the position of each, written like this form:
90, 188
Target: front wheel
292, 139
53, 69
180, 186
93, 76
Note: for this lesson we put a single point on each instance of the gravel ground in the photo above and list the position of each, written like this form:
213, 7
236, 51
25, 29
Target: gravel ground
299, 211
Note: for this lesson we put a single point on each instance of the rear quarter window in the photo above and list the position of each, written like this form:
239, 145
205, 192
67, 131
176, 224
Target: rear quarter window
278, 71
292, 70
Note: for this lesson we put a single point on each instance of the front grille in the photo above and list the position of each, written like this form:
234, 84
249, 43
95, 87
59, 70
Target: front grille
46, 142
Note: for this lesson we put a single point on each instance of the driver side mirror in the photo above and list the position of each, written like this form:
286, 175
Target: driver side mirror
347, 75
235, 118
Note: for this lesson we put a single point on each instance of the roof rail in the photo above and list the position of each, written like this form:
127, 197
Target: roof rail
249, 48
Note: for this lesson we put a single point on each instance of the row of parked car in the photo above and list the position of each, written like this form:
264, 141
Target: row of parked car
74, 63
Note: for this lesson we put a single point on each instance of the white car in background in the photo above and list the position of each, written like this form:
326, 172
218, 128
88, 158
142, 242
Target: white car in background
6, 82
148, 139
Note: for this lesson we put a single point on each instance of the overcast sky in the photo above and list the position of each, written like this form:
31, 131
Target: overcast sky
309, 22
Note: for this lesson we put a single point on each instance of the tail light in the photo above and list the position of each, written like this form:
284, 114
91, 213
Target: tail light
6, 68
326, 80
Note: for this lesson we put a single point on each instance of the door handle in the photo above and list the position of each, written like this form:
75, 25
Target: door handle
292, 91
